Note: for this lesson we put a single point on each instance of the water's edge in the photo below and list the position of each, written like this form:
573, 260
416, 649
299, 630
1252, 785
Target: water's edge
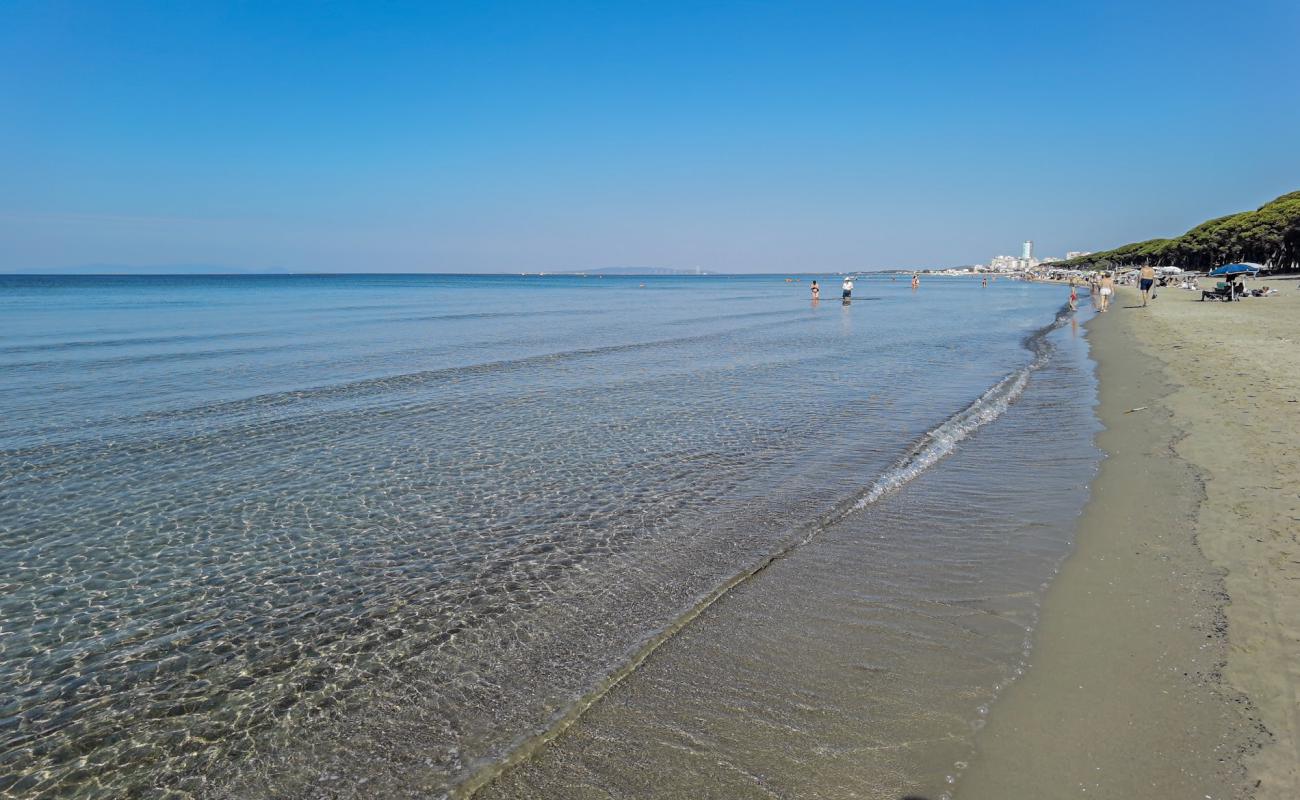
924, 453
1173, 721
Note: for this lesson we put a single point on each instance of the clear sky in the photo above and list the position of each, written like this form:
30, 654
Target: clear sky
756, 136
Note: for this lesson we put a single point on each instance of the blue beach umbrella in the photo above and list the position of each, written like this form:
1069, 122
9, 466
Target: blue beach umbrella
1236, 269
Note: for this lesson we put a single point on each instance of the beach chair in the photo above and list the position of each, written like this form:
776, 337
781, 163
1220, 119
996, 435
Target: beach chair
1222, 291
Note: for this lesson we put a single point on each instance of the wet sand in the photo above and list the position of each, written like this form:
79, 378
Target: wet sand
1169, 653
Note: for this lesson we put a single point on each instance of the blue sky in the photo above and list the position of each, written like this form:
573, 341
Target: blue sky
757, 136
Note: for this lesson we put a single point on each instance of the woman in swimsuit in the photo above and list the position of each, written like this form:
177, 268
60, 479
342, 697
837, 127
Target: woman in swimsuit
1107, 284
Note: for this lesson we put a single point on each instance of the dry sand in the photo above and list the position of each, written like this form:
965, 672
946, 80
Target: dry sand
1169, 652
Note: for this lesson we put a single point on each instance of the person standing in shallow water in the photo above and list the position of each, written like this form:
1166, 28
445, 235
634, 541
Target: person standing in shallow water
816, 290
847, 286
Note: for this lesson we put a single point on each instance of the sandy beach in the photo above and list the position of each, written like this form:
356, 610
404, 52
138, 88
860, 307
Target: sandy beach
1169, 654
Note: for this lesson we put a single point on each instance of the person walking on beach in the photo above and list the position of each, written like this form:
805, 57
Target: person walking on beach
816, 290
1106, 289
1074, 297
1146, 279
847, 286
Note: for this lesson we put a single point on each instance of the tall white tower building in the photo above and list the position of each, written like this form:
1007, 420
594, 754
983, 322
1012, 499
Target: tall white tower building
1028, 253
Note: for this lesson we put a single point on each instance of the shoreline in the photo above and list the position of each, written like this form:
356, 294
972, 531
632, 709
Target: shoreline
837, 649
1166, 664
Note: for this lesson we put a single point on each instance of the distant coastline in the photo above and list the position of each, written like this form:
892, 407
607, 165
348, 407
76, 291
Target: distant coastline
646, 271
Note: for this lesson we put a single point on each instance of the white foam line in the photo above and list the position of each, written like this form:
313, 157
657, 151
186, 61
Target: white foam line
943, 440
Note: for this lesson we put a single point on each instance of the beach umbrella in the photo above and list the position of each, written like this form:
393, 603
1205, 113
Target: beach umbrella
1236, 269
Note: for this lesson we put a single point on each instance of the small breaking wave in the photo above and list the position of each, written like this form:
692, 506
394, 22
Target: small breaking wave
943, 439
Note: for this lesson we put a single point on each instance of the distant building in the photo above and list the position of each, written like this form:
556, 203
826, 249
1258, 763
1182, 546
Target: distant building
1078, 253
1025, 262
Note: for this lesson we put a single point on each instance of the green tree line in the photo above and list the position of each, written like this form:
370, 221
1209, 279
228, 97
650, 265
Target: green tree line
1269, 235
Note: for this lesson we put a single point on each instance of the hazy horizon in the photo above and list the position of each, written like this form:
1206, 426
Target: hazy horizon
181, 270
732, 137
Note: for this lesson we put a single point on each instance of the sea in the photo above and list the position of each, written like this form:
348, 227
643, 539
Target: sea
525, 536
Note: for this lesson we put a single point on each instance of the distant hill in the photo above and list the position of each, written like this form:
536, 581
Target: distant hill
1268, 235
160, 269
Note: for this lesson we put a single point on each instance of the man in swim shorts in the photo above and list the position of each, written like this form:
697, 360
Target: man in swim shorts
1146, 279
847, 286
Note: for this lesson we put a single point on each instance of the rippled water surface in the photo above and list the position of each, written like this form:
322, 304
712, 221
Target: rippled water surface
364, 535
